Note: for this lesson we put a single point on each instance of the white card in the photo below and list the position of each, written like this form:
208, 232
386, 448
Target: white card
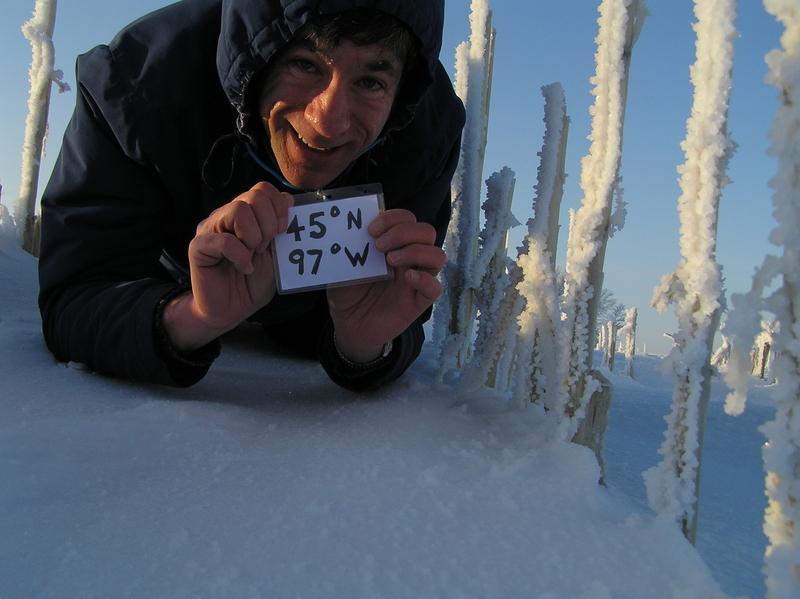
327, 244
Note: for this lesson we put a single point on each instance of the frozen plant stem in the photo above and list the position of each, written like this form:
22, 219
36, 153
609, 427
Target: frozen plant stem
39, 31
619, 25
695, 286
536, 353
782, 450
456, 309
629, 331
493, 334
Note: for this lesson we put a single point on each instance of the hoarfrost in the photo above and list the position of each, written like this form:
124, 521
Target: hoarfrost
695, 287
599, 181
38, 30
456, 311
629, 332
491, 362
536, 355
782, 451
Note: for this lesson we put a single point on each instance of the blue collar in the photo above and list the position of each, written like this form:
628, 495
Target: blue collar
271, 171
277, 174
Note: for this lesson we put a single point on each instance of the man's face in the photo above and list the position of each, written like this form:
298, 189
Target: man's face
322, 107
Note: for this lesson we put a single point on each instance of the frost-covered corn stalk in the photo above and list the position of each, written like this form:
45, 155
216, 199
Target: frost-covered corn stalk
601, 339
39, 31
721, 356
493, 262
536, 374
762, 350
612, 344
629, 332
610, 348
456, 310
7, 228
491, 362
782, 451
695, 287
620, 24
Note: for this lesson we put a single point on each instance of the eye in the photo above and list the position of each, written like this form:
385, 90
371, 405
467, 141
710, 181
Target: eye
371, 84
303, 65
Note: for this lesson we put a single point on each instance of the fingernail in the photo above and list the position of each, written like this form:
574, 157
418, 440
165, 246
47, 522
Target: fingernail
414, 274
382, 242
396, 256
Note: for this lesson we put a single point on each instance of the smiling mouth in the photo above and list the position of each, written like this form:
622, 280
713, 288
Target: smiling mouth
313, 147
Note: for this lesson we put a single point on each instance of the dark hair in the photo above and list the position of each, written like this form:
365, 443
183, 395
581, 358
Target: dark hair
362, 27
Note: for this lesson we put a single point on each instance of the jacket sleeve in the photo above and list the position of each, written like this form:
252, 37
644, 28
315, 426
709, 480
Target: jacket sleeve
103, 223
311, 335
405, 349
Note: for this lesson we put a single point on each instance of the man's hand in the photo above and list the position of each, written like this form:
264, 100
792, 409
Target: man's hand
231, 266
369, 315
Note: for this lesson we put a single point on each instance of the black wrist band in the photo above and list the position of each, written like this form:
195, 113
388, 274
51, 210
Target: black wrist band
387, 349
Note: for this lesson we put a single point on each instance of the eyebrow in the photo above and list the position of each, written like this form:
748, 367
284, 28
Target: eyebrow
384, 65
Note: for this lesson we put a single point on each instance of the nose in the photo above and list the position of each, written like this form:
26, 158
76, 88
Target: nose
329, 110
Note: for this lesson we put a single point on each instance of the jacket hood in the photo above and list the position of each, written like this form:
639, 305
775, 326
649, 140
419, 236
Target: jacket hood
253, 30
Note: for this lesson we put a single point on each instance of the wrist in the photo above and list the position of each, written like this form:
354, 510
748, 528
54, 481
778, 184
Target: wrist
361, 359
185, 330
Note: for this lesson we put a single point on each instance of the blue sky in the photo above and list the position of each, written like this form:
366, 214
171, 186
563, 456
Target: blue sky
538, 42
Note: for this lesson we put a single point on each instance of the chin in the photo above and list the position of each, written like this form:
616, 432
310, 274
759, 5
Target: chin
310, 179
310, 183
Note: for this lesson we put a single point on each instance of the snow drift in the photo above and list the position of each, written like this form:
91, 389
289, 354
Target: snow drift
266, 480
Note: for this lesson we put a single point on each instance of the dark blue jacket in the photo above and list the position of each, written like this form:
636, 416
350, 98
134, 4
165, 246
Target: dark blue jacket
157, 142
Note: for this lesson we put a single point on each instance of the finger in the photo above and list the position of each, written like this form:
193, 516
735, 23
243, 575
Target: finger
405, 234
255, 217
428, 258
271, 209
388, 219
209, 250
426, 284
235, 218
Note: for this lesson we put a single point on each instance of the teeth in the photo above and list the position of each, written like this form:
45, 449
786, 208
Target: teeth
314, 147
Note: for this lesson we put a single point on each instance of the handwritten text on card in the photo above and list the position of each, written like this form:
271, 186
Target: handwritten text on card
327, 243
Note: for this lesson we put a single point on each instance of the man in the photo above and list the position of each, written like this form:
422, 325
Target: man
191, 132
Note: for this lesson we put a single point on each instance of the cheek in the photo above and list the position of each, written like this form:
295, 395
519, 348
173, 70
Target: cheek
275, 98
376, 117
271, 114
264, 112
266, 98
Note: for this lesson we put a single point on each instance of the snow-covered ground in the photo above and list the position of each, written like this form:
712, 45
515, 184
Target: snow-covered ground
732, 499
266, 480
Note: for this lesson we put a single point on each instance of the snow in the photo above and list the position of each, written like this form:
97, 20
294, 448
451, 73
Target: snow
732, 500
266, 480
